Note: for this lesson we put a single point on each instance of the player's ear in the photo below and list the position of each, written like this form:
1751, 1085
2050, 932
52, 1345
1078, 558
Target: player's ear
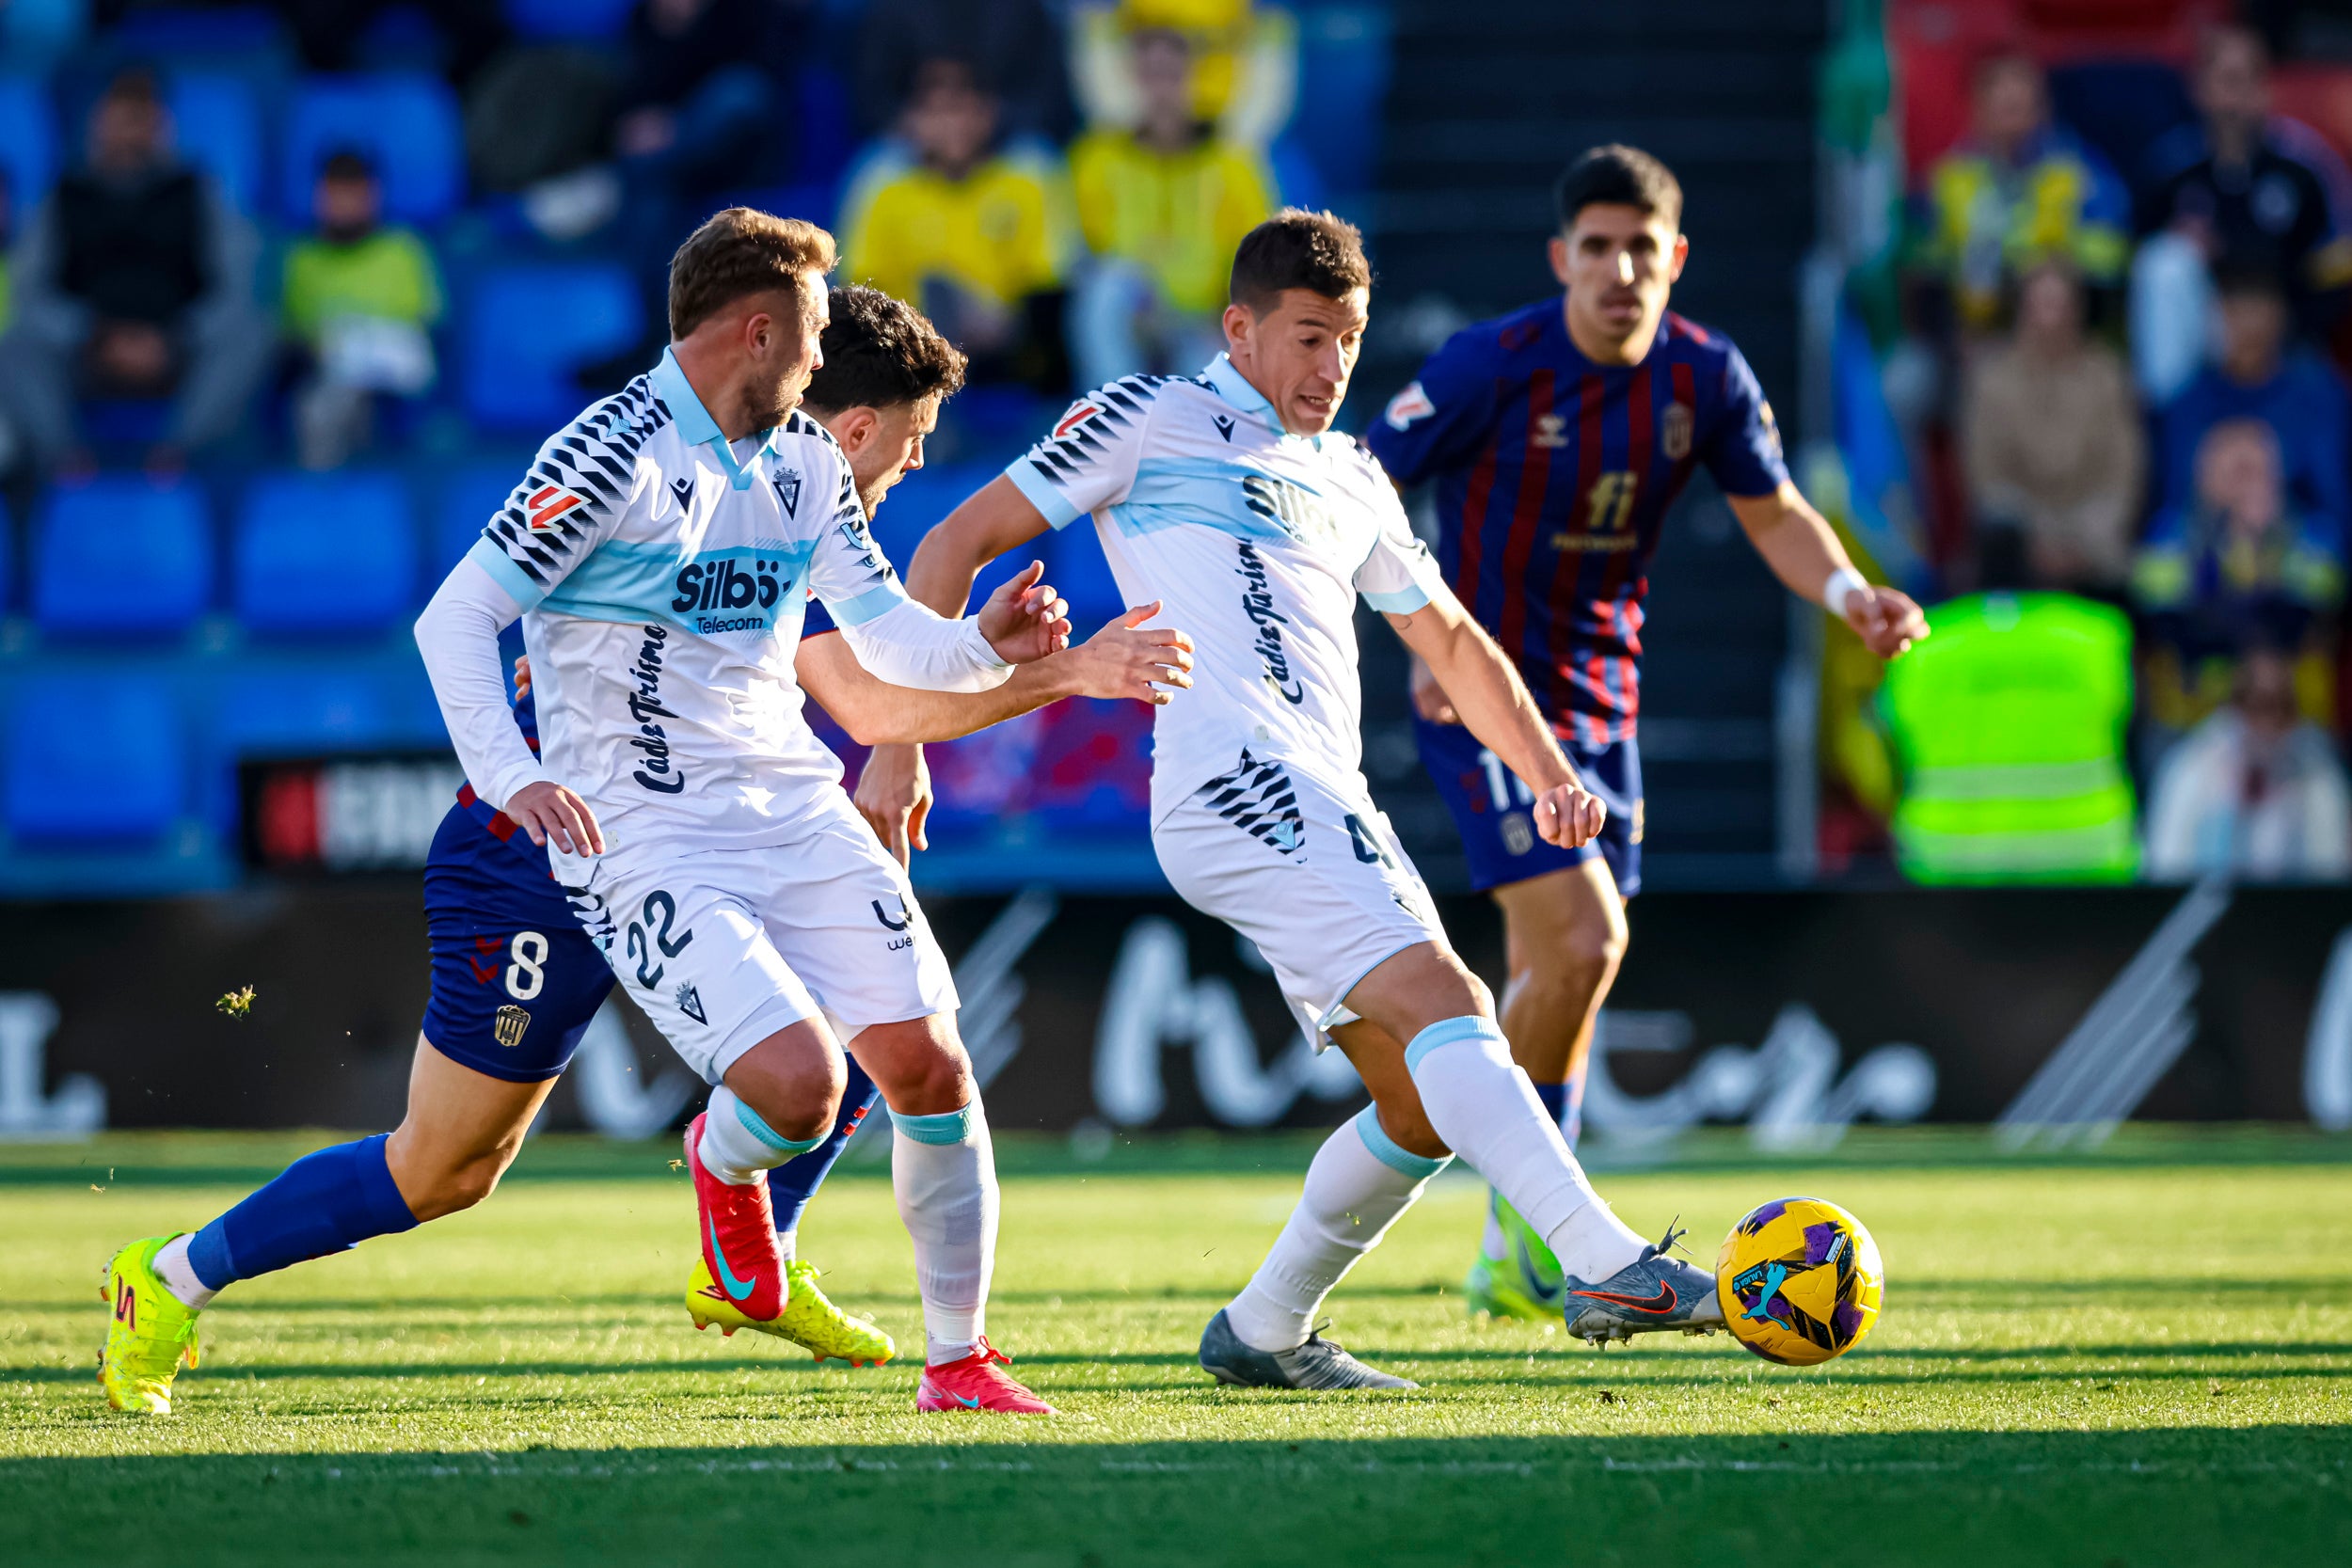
1558, 250
854, 429
1681, 258
1238, 323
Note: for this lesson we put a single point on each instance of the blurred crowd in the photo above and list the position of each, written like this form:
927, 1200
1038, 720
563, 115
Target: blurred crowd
2118, 374
1056, 182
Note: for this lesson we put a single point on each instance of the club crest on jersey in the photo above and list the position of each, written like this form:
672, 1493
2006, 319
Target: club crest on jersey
1078, 414
508, 1026
1408, 406
690, 1002
787, 485
548, 503
1675, 431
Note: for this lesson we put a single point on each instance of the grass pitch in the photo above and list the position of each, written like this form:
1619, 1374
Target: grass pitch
2139, 1357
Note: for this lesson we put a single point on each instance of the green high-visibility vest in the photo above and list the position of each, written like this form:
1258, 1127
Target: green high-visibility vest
2009, 725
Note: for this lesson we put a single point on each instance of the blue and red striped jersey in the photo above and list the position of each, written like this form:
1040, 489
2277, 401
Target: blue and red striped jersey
1555, 475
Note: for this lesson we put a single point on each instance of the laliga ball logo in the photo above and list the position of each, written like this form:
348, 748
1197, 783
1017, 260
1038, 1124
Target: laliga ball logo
1799, 1281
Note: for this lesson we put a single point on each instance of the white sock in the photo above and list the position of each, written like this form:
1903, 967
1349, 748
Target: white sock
172, 1267
1358, 1184
1481, 1103
944, 1169
788, 1245
737, 1147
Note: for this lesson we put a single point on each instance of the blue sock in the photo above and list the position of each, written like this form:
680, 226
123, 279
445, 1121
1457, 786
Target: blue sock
1565, 1104
322, 1203
791, 1184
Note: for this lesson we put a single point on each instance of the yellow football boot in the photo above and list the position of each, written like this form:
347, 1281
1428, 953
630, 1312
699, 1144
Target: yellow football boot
149, 1336
810, 1320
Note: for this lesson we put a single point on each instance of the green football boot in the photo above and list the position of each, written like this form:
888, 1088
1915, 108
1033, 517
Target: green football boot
1525, 1283
149, 1335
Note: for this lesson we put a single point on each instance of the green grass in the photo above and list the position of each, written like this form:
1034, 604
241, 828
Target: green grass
2138, 1357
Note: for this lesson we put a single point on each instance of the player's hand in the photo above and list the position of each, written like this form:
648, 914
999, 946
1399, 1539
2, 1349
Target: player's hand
894, 794
1128, 658
1567, 816
1887, 619
1429, 698
1025, 620
548, 812
522, 676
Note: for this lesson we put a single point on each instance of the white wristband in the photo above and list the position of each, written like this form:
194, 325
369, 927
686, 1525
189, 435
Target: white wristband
1842, 585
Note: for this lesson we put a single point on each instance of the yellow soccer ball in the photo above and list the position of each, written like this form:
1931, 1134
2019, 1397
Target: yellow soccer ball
1799, 1281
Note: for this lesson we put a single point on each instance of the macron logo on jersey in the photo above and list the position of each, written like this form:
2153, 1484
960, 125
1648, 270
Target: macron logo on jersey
1408, 406
548, 503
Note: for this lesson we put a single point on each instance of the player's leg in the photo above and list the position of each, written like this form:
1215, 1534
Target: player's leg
508, 1005
854, 931
1563, 934
1480, 1103
1362, 1179
791, 1184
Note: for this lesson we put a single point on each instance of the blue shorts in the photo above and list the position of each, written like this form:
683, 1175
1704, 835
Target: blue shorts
1490, 808
514, 978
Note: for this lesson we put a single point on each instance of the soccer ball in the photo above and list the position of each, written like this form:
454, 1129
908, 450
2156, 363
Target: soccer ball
1799, 1281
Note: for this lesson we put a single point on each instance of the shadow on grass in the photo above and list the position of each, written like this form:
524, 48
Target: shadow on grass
1045, 1494
1552, 1361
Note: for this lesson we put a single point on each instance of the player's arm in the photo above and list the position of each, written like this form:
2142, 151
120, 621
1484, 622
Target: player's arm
1126, 658
1801, 547
903, 642
895, 789
1494, 703
997, 518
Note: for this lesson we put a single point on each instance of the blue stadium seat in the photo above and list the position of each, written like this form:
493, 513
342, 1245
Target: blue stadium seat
94, 759
320, 708
218, 123
472, 495
321, 554
529, 329
405, 122
581, 20
28, 141
121, 557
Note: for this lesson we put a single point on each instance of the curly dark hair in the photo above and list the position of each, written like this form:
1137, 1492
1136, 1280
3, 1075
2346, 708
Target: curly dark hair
1298, 249
880, 352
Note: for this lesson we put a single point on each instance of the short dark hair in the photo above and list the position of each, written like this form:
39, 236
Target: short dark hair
1620, 176
2240, 273
738, 252
880, 352
1298, 249
347, 163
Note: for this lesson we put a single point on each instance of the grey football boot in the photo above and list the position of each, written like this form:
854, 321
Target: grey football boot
1319, 1364
1654, 1293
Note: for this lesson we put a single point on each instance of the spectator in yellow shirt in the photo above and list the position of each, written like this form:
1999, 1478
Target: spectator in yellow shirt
977, 237
1162, 208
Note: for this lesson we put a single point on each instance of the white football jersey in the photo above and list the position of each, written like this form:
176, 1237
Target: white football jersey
1257, 542
663, 574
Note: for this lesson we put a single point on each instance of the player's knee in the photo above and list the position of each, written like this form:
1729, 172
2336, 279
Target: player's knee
1589, 951
458, 1185
798, 1094
920, 1066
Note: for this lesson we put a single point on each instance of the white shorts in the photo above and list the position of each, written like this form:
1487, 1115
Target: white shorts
1313, 875
723, 947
